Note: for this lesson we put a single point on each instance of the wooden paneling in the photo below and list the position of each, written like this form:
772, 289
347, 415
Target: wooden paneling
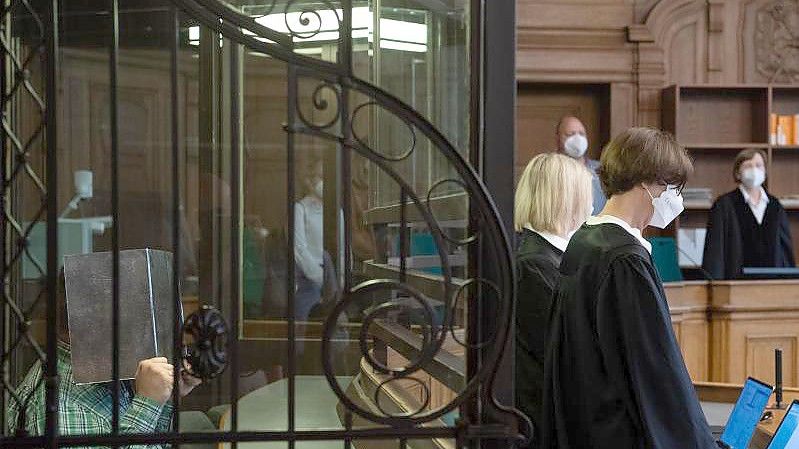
565, 13
715, 168
145, 149
728, 330
749, 319
653, 43
540, 107
622, 107
739, 116
760, 356
539, 63
688, 302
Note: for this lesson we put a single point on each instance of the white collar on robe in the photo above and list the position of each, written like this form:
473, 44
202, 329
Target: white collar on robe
758, 209
603, 219
554, 240
763, 196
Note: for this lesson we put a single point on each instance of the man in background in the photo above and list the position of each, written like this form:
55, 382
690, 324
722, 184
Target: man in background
573, 142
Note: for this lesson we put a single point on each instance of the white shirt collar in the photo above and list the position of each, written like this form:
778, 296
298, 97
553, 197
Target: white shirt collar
554, 240
602, 219
763, 196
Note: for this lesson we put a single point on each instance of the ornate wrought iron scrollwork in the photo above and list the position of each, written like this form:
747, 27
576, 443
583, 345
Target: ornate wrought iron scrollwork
205, 354
339, 78
405, 154
308, 16
330, 105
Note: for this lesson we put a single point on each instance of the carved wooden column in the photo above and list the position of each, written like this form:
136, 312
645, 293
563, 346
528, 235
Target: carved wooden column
715, 41
649, 73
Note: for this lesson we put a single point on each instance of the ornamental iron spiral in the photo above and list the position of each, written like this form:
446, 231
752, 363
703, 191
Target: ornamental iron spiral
339, 79
205, 355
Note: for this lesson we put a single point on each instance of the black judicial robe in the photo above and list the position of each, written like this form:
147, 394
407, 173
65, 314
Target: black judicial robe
615, 377
537, 263
735, 240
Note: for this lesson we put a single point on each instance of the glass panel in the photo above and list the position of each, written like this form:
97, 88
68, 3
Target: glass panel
357, 251
347, 231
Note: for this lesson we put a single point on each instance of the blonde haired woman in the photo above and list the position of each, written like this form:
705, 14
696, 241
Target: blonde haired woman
553, 198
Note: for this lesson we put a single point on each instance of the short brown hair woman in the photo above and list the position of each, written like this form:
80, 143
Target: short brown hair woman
615, 377
747, 227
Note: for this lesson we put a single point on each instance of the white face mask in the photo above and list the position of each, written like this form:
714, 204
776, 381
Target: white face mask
576, 145
753, 177
667, 207
319, 189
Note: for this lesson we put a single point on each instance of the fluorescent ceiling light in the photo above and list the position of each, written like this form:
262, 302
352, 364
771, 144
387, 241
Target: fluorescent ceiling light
404, 46
323, 26
309, 51
399, 30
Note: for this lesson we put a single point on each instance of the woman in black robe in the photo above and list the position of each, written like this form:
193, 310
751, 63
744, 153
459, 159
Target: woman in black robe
615, 377
747, 227
553, 198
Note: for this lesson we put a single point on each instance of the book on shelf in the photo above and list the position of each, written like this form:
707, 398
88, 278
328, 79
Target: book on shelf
790, 201
772, 129
784, 129
795, 129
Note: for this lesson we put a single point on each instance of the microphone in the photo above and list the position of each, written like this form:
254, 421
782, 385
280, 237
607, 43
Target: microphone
704, 272
778, 377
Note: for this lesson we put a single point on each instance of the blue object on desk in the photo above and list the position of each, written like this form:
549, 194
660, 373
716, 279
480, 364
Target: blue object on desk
422, 244
787, 436
664, 254
746, 414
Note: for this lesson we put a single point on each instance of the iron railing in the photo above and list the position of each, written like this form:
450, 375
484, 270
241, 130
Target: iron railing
336, 88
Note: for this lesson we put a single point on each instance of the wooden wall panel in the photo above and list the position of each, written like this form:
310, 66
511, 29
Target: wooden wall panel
744, 346
760, 356
749, 319
688, 302
539, 108
693, 341
653, 43
565, 13
622, 107
145, 148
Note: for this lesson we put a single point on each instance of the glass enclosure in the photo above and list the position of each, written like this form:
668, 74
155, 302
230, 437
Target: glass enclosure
286, 222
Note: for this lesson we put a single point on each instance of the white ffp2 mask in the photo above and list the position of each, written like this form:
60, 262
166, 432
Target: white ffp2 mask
668, 206
576, 145
319, 189
753, 177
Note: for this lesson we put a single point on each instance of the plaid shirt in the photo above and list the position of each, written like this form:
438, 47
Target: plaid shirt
86, 409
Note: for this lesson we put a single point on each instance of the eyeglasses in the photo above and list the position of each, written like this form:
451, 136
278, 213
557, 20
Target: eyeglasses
677, 189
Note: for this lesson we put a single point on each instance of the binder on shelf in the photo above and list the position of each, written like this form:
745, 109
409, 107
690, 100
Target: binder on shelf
795, 129
785, 130
772, 129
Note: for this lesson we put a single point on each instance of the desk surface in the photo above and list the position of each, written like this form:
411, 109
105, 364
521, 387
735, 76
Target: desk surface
266, 409
719, 394
732, 282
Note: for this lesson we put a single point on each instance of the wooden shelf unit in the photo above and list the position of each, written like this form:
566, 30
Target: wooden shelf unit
714, 123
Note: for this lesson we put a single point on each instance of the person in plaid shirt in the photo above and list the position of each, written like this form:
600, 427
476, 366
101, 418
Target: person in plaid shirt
87, 409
